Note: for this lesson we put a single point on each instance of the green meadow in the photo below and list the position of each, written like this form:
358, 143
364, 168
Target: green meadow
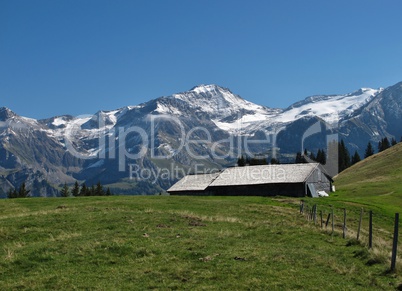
240, 243
375, 181
168, 242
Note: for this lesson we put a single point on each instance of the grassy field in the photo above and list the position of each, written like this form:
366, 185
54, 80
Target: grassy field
375, 181
162, 242
167, 242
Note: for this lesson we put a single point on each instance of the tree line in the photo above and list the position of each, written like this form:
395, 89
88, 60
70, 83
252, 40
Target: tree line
255, 161
76, 191
22, 192
345, 159
83, 190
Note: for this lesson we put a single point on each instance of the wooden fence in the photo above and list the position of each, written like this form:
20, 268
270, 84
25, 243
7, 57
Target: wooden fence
337, 220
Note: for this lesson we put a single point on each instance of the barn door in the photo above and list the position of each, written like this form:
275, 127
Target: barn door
311, 188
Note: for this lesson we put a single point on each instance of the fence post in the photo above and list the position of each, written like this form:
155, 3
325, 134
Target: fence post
326, 223
307, 212
301, 206
321, 219
360, 224
312, 213
371, 230
395, 244
344, 223
332, 217
315, 214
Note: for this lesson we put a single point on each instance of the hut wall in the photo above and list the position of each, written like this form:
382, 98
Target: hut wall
320, 181
290, 189
191, 193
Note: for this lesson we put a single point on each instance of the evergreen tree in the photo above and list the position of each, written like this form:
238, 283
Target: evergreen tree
258, 161
76, 189
343, 157
99, 189
386, 143
92, 191
356, 158
275, 161
321, 157
312, 156
84, 190
12, 193
23, 192
241, 161
369, 151
383, 144
108, 193
65, 191
300, 158
393, 141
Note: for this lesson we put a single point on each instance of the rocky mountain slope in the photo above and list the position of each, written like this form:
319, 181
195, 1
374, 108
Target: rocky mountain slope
145, 148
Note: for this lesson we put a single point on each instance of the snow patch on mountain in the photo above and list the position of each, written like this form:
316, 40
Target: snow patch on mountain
330, 108
58, 121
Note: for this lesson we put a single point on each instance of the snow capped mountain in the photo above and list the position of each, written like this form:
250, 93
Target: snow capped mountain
236, 115
228, 111
88, 148
6, 114
331, 108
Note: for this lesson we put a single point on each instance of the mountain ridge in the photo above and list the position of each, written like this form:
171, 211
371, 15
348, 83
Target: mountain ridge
217, 123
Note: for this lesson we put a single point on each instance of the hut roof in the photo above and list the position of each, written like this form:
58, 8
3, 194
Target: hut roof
248, 175
197, 182
265, 174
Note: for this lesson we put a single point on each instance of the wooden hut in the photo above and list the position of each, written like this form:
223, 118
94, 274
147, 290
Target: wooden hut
295, 180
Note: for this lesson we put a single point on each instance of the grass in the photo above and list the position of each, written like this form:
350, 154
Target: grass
374, 182
162, 242
167, 242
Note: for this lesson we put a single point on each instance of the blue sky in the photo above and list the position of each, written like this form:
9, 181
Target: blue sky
76, 57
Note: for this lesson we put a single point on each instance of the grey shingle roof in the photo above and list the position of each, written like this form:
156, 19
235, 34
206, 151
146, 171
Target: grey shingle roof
248, 175
194, 182
265, 174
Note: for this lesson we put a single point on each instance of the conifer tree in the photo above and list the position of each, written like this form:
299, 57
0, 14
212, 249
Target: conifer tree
393, 141
300, 158
92, 190
84, 190
356, 158
108, 193
12, 193
258, 161
65, 191
241, 161
76, 189
343, 157
369, 151
321, 157
99, 190
383, 144
275, 161
23, 192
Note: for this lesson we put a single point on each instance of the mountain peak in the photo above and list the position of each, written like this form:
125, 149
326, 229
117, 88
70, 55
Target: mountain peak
202, 88
6, 113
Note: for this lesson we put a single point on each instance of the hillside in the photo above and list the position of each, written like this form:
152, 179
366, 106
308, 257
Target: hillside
375, 180
169, 243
